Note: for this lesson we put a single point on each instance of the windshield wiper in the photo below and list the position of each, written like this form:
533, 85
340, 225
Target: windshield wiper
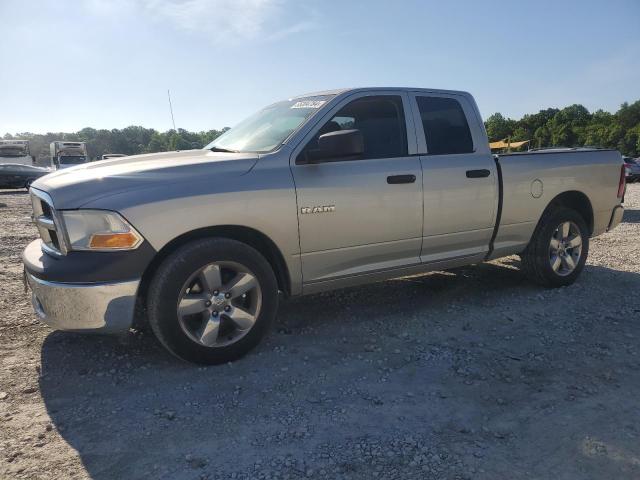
218, 149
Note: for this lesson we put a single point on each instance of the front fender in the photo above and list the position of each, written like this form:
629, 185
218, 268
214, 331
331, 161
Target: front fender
262, 199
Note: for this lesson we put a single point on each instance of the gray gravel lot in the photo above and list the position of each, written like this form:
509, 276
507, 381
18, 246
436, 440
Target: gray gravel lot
468, 374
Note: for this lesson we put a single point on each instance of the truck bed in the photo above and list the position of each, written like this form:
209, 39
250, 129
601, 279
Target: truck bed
529, 181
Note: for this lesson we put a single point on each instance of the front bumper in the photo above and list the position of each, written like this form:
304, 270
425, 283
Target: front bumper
97, 306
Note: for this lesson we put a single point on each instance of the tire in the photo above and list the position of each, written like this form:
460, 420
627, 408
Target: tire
191, 321
540, 258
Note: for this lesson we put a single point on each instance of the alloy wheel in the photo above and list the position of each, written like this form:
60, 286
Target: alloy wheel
219, 304
565, 248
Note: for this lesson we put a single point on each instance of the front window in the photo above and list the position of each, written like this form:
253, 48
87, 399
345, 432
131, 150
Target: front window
267, 129
380, 120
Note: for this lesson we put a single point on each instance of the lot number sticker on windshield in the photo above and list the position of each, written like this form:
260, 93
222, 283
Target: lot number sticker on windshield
309, 104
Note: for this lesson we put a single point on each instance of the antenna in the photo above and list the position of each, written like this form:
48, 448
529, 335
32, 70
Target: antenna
171, 109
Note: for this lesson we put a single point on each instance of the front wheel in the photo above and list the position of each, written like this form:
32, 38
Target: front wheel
558, 249
212, 300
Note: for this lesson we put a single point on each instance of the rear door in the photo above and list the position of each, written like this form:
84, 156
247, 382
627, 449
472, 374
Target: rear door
361, 215
4, 176
22, 175
459, 177
12, 175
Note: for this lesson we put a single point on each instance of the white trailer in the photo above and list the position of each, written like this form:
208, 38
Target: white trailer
67, 154
15, 151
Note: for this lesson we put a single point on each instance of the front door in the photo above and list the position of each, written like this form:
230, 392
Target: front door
361, 215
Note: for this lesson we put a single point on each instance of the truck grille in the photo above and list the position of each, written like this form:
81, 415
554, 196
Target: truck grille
44, 216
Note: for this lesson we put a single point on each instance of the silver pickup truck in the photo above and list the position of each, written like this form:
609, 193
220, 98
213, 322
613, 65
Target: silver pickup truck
317, 192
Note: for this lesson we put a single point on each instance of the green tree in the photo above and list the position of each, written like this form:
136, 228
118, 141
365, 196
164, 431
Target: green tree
499, 127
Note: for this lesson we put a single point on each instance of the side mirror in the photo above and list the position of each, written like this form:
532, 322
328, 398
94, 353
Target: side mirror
342, 144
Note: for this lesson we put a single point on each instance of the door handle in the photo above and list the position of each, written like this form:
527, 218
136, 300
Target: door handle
395, 179
478, 173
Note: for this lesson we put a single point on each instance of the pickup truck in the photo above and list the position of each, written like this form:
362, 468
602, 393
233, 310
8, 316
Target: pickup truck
313, 193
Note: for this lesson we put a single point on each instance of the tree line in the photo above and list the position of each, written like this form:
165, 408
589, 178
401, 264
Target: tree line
572, 126
130, 140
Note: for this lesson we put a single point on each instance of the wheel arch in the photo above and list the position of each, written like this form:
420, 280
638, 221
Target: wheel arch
250, 236
575, 200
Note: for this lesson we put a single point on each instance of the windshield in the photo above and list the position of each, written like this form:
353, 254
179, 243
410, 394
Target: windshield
13, 152
72, 160
268, 128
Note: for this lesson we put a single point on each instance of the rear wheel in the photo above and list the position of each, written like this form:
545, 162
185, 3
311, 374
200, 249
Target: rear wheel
212, 300
558, 250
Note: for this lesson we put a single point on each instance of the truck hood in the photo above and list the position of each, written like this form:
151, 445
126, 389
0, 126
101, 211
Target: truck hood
76, 186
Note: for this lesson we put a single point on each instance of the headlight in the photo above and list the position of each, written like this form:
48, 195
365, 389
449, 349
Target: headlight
99, 230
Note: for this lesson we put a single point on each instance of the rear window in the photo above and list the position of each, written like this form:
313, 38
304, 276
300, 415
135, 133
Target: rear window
445, 126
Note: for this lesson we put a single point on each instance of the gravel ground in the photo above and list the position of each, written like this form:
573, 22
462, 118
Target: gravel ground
472, 373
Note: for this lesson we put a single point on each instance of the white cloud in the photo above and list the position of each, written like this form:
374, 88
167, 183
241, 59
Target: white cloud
300, 27
110, 7
221, 21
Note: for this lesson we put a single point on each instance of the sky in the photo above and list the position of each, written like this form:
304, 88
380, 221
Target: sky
66, 65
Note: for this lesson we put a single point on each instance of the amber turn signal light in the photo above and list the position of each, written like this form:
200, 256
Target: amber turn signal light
114, 240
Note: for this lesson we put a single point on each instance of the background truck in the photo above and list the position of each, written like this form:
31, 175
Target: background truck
67, 154
313, 193
16, 152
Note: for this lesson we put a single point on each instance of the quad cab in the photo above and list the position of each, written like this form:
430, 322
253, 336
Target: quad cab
314, 193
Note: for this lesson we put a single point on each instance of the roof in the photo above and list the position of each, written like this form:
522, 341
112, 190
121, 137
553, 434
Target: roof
22, 165
339, 91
